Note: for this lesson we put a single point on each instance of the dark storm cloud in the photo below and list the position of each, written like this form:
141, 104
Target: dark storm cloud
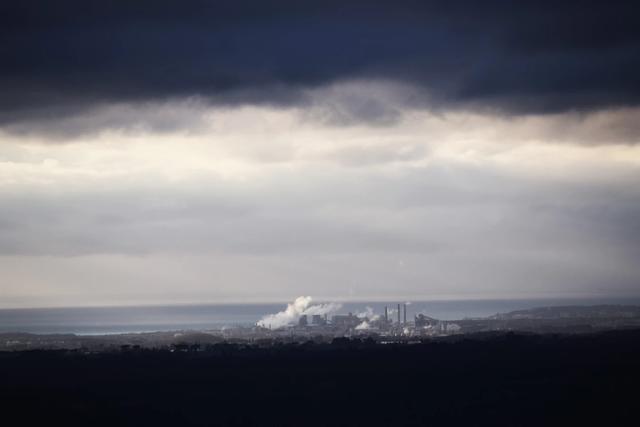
516, 57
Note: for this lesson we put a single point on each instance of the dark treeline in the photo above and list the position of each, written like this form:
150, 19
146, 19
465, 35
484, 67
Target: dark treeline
497, 379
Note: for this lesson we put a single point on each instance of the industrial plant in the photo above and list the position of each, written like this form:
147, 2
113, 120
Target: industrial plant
302, 322
396, 322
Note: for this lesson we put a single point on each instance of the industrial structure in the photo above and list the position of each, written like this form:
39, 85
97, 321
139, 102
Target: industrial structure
367, 324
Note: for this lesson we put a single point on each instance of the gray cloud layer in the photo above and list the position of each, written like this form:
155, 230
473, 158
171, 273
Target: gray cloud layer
436, 209
438, 231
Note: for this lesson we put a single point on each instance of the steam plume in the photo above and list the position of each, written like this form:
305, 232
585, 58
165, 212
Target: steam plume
300, 306
368, 314
363, 326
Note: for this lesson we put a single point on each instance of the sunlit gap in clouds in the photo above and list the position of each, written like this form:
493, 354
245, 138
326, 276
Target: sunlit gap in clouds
328, 198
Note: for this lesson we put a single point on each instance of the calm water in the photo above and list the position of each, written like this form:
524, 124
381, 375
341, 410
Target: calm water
109, 320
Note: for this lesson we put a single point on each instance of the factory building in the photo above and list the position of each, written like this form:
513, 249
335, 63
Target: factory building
348, 321
422, 321
303, 320
319, 320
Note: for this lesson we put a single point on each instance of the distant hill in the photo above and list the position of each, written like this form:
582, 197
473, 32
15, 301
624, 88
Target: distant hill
573, 312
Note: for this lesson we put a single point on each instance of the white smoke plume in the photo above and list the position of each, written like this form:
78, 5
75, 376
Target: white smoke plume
300, 306
363, 326
368, 314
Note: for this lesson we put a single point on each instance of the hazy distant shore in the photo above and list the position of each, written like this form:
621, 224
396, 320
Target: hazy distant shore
323, 330
119, 320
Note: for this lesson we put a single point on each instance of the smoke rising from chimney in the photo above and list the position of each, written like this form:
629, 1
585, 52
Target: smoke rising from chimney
363, 326
368, 313
300, 306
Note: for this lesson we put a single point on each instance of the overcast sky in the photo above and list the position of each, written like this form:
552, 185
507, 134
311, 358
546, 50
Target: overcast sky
207, 151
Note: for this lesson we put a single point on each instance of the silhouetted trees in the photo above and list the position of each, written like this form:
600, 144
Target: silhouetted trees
486, 379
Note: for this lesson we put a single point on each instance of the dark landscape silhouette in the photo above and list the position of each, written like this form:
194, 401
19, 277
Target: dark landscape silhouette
480, 379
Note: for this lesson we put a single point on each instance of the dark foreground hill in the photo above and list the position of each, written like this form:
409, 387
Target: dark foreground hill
499, 379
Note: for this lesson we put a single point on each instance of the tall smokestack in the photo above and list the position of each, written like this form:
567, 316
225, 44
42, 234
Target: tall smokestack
405, 314
386, 315
398, 314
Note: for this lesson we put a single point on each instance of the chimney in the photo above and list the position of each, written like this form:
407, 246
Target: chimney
398, 314
386, 315
405, 314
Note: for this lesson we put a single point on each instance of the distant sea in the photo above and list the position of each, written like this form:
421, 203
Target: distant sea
114, 320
